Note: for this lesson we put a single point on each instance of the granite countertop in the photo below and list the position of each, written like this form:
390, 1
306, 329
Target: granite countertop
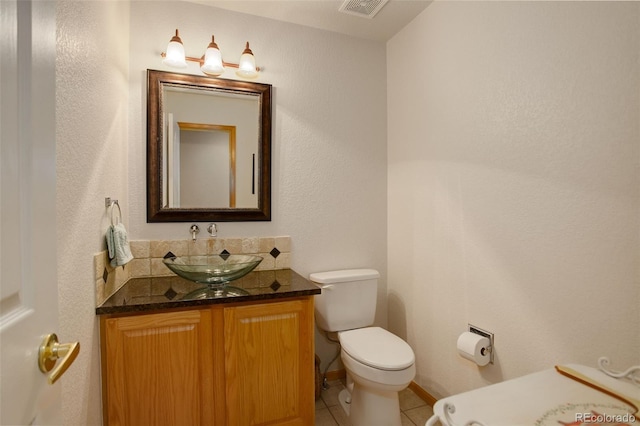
148, 294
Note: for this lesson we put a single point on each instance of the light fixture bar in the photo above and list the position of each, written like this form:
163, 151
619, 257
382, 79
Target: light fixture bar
211, 62
201, 61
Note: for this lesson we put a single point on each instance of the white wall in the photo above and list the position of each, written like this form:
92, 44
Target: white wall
91, 149
513, 176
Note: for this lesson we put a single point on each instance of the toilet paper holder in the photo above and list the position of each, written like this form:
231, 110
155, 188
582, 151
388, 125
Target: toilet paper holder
488, 335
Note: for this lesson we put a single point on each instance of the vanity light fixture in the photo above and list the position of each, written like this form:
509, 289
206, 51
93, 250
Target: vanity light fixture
211, 62
247, 67
175, 53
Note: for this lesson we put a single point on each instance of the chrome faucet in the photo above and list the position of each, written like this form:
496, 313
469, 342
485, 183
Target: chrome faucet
213, 229
194, 230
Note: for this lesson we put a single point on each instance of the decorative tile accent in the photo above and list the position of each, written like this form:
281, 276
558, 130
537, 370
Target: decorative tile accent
170, 294
225, 254
275, 285
148, 256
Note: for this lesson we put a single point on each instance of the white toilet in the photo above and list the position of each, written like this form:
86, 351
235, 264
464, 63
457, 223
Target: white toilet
379, 364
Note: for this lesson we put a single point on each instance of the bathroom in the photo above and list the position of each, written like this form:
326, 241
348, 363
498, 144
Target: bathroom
484, 160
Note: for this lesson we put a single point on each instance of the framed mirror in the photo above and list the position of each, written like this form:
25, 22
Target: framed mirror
208, 149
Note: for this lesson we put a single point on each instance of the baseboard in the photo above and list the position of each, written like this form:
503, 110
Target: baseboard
423, 394
416, 388
336, 375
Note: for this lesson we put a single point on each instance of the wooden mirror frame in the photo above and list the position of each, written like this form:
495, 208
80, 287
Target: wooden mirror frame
155, 210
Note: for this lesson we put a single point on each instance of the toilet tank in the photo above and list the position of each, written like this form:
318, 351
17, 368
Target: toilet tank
348, 298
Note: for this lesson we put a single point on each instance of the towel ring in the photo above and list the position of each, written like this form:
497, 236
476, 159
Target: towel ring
114, 203
119, 217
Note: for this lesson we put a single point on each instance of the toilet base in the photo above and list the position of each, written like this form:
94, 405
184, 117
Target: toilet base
344, 397
369, 407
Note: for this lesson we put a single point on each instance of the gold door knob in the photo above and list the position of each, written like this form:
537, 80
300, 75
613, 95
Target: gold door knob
49, 353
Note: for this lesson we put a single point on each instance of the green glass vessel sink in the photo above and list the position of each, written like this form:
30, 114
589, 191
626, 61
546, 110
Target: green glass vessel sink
216, 270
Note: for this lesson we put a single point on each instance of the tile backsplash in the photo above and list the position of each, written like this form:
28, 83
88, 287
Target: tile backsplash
148, 255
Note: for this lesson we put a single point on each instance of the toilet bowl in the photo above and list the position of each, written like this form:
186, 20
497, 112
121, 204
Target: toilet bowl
378, 363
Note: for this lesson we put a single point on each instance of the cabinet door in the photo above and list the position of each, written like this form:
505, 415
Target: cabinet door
269, 363
158, 369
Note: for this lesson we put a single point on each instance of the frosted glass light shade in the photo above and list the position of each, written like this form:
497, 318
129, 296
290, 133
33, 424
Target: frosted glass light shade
175, 53
247, 66
212, 60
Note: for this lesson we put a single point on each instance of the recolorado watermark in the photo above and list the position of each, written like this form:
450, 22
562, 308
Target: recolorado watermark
597, 418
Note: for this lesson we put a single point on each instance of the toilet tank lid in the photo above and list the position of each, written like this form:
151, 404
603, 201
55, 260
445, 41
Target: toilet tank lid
344, 275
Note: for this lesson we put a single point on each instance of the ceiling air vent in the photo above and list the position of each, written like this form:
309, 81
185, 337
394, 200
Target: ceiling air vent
362, 8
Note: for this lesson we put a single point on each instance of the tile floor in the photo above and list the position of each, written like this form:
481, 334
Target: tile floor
414, 411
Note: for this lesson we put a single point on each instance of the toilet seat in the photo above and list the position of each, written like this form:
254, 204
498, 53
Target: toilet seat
377, 348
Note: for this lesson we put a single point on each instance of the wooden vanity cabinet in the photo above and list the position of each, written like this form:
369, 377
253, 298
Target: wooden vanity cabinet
227, 364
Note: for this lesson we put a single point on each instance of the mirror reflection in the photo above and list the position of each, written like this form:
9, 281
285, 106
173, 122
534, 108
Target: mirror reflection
208, 148
196, 153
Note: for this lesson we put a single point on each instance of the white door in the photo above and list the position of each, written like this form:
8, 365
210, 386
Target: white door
28, 284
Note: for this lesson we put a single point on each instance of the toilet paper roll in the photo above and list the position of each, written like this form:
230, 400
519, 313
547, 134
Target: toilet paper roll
474, 347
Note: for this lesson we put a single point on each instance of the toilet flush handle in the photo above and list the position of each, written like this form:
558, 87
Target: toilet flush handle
325, 286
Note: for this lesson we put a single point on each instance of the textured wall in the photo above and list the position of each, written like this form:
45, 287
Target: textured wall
91, 164
513, 186
329, 134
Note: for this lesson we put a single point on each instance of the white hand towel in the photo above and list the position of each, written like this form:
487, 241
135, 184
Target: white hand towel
118, 245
